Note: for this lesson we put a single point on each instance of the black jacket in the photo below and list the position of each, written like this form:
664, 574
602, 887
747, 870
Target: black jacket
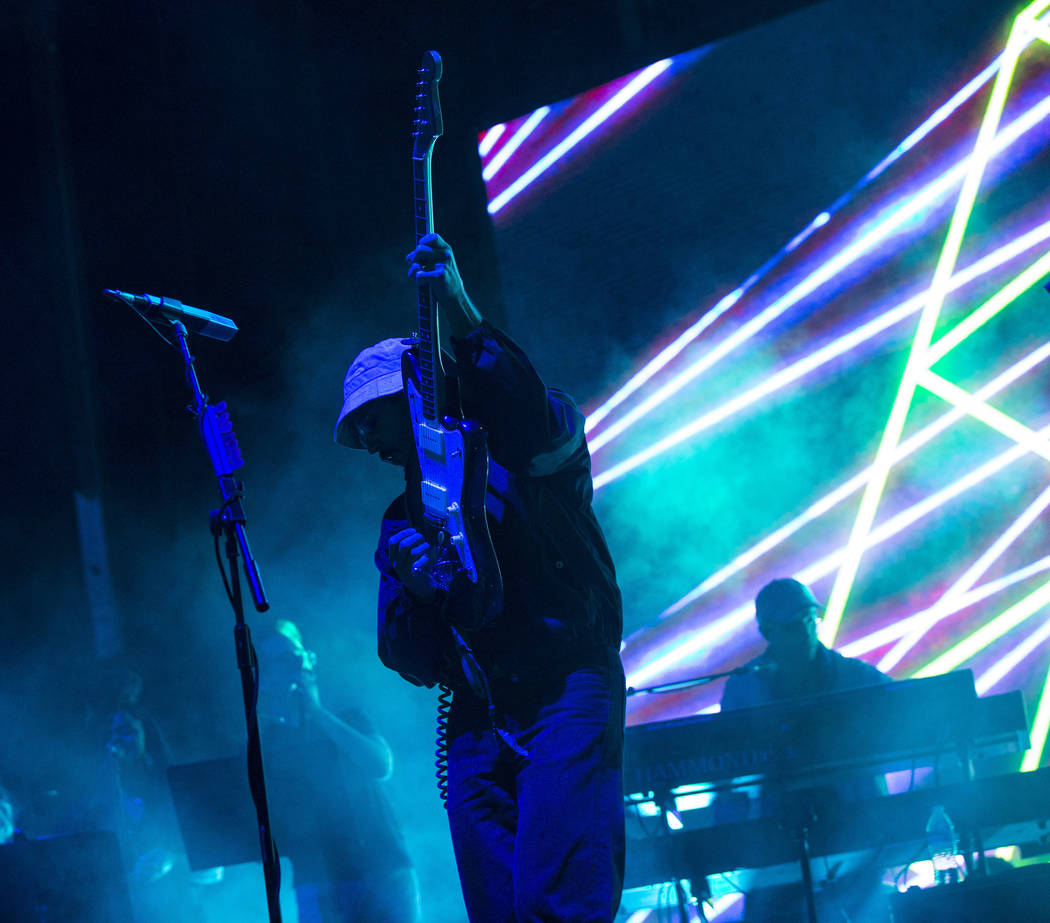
560, 592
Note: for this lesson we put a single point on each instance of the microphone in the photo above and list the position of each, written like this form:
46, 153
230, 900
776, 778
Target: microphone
152, 308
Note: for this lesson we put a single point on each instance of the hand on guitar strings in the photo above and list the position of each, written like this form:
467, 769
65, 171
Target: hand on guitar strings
432, 262
414, 559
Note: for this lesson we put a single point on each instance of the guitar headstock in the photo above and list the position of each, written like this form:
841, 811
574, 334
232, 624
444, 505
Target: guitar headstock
426, 124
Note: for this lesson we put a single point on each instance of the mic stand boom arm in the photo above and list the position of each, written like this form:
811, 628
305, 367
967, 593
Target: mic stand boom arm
699, 680
221, 442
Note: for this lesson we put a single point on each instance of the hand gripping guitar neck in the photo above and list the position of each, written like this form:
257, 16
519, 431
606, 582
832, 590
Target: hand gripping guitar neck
452, 452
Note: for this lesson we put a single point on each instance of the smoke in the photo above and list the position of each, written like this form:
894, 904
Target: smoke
695, 193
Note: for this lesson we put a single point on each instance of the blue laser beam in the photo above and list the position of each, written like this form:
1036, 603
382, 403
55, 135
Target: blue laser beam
666, 355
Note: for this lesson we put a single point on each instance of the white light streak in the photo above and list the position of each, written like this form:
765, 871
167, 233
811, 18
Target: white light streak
642, 80
912, 207
504, 153
489, 140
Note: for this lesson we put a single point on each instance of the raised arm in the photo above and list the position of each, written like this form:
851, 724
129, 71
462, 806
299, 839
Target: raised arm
368, 753
432, 261
531, 428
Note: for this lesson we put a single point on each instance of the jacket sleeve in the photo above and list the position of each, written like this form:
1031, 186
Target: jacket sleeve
412, 635
532, 429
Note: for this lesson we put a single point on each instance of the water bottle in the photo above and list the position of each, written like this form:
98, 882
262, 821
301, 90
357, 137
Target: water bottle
943, 845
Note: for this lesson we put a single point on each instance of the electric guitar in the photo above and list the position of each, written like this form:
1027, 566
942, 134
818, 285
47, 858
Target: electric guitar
453, 453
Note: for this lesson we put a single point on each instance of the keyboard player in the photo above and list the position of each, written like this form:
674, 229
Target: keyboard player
787, 614
795, 664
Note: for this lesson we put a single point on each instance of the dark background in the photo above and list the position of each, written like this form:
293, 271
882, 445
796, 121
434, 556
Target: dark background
253, 159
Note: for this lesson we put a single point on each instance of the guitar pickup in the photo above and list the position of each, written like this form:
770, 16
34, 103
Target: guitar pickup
435, 500
431, 440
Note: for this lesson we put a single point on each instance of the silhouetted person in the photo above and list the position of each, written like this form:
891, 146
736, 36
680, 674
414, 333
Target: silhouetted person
134, 800
330, 816
788, 614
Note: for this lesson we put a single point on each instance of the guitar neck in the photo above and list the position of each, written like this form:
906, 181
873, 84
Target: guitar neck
430, 368
453, 457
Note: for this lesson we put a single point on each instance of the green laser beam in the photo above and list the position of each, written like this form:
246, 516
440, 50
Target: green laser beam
918, 357
1037, 735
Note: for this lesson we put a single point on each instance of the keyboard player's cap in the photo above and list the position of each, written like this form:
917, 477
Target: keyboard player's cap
784, 600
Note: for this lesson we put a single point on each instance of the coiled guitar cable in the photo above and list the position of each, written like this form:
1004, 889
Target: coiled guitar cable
479, 683
441, 754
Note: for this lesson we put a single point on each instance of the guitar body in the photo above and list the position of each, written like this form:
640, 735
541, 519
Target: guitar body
452, 452
454, 467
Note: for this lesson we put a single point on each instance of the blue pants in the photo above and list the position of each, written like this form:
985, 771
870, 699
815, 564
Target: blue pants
541, 838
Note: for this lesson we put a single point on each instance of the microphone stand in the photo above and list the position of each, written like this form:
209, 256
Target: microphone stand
219, 439
700, 680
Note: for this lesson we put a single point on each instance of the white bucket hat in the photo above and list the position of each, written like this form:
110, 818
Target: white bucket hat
375, 373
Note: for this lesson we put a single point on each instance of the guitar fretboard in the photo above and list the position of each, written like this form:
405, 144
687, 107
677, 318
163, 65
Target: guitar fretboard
427, 330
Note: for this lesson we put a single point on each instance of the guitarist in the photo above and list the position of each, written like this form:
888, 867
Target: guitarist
535, 730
